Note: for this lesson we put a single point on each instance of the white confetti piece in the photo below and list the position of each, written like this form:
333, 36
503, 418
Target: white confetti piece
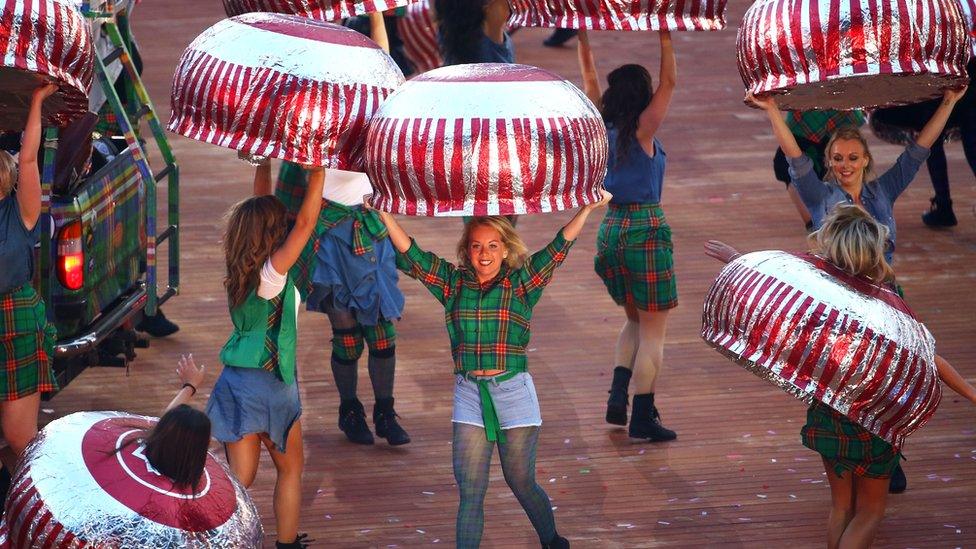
792, 496
665, 523
419, 531
770, 432
692, 500
745, 519
704, 513
566, 441
427, 493
329, 517
552, 480
773, 460
625, 525
701, 481
761, 496
47, 410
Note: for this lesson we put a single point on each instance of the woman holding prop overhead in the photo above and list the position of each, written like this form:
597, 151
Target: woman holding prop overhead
489, 299
634, 250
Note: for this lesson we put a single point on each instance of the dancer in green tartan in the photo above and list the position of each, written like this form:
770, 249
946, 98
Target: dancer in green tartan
857, 463
634, 255
26, 338
488, 301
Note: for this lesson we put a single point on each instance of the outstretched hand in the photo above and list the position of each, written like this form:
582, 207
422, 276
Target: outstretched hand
189, 372
764, 102
721, 251
44, 91
605, 198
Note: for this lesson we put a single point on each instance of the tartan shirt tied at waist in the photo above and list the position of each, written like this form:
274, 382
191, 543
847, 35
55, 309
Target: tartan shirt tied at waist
488, 324
366, 225
817, 126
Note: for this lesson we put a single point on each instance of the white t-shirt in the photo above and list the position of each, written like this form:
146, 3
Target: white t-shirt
346, 188
273, 283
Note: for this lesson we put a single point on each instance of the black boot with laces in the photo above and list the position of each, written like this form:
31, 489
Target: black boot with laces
645, 421
385, 421
302, 541
617, 403
352, 422
940, 214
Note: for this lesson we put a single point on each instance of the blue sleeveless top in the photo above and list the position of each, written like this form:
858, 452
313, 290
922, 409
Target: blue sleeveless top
637, 178
16, 246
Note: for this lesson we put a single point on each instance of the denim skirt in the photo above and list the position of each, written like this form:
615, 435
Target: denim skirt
248, 401
515, 402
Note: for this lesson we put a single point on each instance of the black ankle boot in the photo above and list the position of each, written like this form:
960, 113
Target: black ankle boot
617, 403
384, 419
157, 325
940, 214
645, 421
352, 422
301, 542
557, 542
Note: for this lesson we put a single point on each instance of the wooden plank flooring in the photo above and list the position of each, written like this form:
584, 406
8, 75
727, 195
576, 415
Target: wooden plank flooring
737, 476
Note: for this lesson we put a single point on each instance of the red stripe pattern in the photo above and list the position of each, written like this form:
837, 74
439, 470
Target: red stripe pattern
624, 15
806, 328
531, 143
969, 20
322, 10
418, 30
859, 53
277, 99
49, 38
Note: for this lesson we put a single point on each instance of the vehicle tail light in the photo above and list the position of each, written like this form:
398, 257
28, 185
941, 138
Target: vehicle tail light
71, 257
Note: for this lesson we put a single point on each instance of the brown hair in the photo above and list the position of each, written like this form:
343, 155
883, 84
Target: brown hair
255, 228
848, 133
8, 173
855, 242
517, 251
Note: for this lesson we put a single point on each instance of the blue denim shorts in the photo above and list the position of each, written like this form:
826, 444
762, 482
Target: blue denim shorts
515, 402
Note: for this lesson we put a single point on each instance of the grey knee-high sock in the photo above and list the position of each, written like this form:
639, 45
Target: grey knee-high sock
382, 366
346, 377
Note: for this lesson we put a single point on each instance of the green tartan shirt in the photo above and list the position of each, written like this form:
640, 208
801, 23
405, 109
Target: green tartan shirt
488, 324
817, 126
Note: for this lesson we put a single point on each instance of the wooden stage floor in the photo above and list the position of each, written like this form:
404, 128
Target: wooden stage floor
736, 476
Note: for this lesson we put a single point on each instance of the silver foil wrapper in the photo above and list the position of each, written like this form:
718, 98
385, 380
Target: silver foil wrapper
282, 86
822, 335
486, 139
621, 15
82, 484
322, 10
44, 41
418, 30
820, 54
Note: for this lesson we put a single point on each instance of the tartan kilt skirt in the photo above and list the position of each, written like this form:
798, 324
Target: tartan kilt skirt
634, 257
26, 345
846, 445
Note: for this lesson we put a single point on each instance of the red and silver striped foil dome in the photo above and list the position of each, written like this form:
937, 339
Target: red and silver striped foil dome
44, 40
821, 54
486, 139
322, 10
820, 334
625, 15
969, 20
418, 30
282, 86
85, 482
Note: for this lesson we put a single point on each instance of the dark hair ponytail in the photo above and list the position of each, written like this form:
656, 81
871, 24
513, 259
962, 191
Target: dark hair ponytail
628, 94
460, 25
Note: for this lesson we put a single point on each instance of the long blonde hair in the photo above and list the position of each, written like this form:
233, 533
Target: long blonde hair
855, 242
517, 251
255, 227
848, 133
8, 173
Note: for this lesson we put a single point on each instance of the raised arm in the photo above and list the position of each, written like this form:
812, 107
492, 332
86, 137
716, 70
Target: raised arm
285, 257
377, 30
572, 229
933, 128
399, 237
591, 80
28, 172
653, 115
497, 13
954, 380
191, 376
784, 136
262, 179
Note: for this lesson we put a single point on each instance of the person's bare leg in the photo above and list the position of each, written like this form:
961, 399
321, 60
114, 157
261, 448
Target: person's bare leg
243, 457
288, 485
650, 350
870, 499
18, 420
841, 504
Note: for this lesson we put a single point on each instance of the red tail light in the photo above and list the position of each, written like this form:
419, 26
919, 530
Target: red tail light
71, 258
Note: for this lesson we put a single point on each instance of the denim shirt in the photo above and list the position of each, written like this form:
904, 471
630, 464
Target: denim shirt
877, 196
